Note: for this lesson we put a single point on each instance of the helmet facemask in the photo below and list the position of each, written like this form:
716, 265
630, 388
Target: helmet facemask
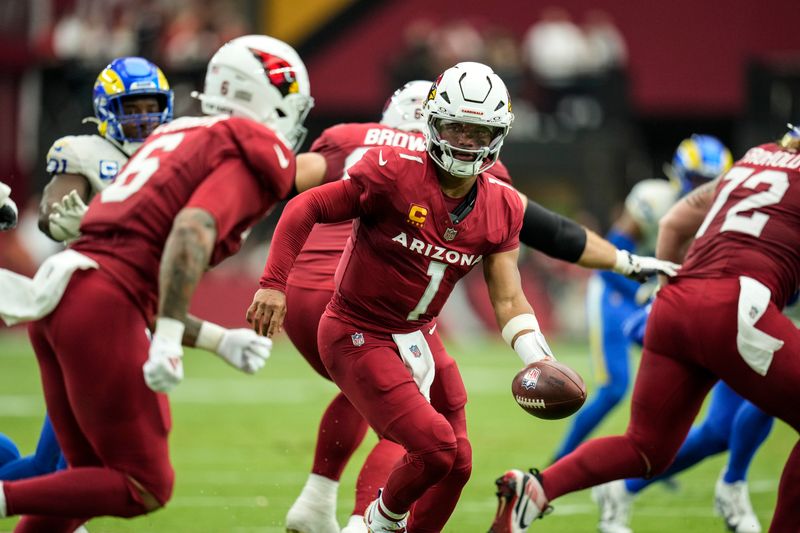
472, 161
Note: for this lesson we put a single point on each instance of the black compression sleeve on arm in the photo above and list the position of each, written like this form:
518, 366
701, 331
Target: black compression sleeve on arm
552, 234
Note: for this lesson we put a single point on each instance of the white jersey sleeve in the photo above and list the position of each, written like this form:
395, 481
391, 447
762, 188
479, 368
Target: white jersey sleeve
91, 156
648, 201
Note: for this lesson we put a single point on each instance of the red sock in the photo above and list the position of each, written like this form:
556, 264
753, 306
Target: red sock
74, 493
341, 430
379, 463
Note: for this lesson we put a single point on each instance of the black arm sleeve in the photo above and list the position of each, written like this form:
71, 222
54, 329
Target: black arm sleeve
552, 234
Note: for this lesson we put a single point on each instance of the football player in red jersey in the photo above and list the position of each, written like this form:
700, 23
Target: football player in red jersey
740, 271
425, 219
179, 206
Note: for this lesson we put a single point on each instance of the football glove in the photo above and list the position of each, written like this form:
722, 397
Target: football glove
66, 216
244, 349
641, 268
163, 369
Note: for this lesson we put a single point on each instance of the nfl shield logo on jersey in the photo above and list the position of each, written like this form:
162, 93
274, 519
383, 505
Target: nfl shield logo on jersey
415, 351
450, 234
531, 378
358, 339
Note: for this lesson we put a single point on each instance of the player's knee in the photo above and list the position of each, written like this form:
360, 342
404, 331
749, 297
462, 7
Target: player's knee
441, 451
157, 491
462, 465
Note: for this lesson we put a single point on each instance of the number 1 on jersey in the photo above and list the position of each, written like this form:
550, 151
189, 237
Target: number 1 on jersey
436, 272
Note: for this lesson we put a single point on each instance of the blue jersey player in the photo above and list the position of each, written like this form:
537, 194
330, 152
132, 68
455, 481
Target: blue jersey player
612, 298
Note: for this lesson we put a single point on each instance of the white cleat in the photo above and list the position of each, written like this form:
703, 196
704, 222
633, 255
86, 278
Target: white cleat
355, 525
732, 503
378, 519
615, 503
520, 501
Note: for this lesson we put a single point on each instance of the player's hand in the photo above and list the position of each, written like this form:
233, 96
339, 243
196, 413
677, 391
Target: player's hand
66, 216
267, 312
244, 349
164, 367
641, 268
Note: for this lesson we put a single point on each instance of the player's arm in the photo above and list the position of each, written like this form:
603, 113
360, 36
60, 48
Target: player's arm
311, 169
514, 314
677, 228
61, 209
565, 239
332, 202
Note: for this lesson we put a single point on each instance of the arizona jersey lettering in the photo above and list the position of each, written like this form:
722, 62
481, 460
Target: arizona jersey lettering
342, 146
405, 254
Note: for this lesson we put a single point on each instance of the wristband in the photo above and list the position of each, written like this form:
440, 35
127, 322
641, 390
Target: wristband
517, 324
209, 336
532, 347
170, 329
623, 263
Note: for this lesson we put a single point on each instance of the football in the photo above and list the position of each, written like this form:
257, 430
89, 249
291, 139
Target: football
548, 389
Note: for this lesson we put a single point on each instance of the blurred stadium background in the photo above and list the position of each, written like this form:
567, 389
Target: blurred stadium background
603, 91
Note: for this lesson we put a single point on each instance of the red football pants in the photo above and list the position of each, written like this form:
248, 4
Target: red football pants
112, 428
690, 342
373, 377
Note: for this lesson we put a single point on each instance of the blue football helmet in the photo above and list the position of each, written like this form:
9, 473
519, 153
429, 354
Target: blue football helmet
791, 140
699, 159
130, 78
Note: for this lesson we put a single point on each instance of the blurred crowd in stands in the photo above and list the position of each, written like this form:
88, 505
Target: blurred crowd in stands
172, 33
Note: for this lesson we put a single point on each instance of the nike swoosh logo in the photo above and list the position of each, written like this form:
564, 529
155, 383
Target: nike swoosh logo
381, 161
430, 331
282, 160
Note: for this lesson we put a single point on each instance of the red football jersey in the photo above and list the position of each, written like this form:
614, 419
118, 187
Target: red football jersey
234, 168
405, 255
342, 146
753, 226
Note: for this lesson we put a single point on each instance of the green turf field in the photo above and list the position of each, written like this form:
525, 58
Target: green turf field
242, 446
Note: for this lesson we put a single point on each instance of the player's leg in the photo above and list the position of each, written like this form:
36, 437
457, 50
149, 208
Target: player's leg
43, 461
708, 438
731, 494
448, 396
341, 429
370, 372
615, 499
8, 452
610, 355
380, 462
777, 393
117, 447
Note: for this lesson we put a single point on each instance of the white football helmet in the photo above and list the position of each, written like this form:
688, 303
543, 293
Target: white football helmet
471, 93
261, 78
403, 110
